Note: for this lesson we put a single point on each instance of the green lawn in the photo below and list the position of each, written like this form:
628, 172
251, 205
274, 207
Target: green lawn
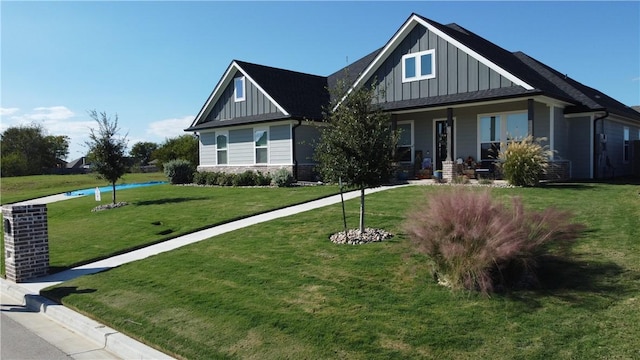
14, 189
281, 290
154, 214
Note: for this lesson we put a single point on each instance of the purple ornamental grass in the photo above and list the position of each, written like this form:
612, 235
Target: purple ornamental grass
478, 243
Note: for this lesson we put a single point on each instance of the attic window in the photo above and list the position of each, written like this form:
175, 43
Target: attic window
238, 89
419, 66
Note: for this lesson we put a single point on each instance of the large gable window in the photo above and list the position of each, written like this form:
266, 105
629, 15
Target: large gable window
238, 89
261, 142
419, 66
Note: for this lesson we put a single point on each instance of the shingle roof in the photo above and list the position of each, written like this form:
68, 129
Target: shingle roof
302, 95
305, 95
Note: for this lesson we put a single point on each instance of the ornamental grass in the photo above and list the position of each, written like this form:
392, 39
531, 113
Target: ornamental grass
478, 243
523, 162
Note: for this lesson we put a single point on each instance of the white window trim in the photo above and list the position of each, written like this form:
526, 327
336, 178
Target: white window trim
226, 134
503, 128
413, 143
255, 147
626, 144
236, 98
418, 69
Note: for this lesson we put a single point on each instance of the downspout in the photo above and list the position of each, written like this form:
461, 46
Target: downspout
596, 138
293, 149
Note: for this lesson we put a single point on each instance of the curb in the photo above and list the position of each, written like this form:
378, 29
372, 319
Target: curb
113, 341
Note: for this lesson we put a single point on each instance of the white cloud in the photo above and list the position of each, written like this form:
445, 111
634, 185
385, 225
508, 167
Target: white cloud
169, 128
8, 111
636, 79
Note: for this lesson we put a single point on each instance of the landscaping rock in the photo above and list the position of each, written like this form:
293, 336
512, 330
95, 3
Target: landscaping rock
109, 206
354, 237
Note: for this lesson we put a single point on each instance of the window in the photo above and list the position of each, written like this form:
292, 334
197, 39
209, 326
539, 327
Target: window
625, 145
221, 148
261, 141
238, 89
404, 149
495, 129
419, 66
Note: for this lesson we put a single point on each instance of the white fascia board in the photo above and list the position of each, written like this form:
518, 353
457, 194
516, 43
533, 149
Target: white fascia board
405, 29
223, 83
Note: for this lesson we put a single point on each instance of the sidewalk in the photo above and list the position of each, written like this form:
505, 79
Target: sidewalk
113, 341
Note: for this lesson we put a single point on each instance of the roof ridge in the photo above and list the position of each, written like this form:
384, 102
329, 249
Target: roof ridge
241, 62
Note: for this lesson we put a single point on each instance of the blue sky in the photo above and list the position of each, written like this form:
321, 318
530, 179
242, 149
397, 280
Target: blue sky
155, 63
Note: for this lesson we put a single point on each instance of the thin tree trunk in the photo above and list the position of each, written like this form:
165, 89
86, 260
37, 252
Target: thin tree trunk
361, 210
113, 187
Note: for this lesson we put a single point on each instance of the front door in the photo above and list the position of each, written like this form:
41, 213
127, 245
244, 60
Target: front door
440, 140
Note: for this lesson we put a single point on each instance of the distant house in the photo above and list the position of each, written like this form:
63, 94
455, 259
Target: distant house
80, 165
452, 93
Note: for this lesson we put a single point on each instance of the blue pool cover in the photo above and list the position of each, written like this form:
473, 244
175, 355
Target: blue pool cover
109, 188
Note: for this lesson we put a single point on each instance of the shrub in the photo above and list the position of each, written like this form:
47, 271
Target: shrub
263, 179
225, 179
179, 171
523, 162
476, 243
212, 178
200, 177
283, 178
246, 178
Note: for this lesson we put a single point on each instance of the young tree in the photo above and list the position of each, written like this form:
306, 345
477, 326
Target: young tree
356, 142
107, 150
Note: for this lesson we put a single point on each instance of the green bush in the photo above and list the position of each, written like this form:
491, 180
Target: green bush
200, 177
179, 171
263, 179
283, 178
476, 243
523, 162
246, 178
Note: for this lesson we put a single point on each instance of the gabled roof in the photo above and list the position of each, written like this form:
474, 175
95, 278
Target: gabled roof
295, 94
299, 95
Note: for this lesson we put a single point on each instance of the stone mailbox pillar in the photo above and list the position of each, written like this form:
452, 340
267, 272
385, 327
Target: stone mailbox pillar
26, 241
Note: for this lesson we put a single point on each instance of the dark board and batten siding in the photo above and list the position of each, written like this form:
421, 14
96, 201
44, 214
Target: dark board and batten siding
456, 71
255, 103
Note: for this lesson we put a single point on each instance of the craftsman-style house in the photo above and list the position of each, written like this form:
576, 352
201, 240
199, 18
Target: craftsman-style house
454, 95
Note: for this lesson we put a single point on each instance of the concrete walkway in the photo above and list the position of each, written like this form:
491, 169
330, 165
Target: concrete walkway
115, 342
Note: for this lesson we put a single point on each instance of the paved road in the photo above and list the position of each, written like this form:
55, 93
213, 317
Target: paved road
27, 334
17, 342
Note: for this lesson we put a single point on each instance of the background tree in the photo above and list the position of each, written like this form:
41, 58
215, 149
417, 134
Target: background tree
182, 147
107, 150
357, 143
27, 150
142, 152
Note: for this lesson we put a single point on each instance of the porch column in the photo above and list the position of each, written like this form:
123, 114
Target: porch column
447, 165
530, 115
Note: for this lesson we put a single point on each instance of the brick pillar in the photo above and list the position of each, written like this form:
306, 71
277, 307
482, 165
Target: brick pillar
26, 241
447, 170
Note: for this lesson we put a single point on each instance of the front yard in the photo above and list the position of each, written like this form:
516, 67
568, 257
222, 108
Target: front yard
282, 290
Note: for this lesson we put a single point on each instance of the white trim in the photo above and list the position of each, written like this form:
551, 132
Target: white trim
503, 127
418, 66
224, 133
223, 83
413, 142
404, 31
255, 147
237, 98
626, 131
591, 145
552, 125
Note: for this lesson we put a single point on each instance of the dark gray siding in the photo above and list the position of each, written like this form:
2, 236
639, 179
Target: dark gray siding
306, 135
579, 147
255, 103
456, 71
560, 134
